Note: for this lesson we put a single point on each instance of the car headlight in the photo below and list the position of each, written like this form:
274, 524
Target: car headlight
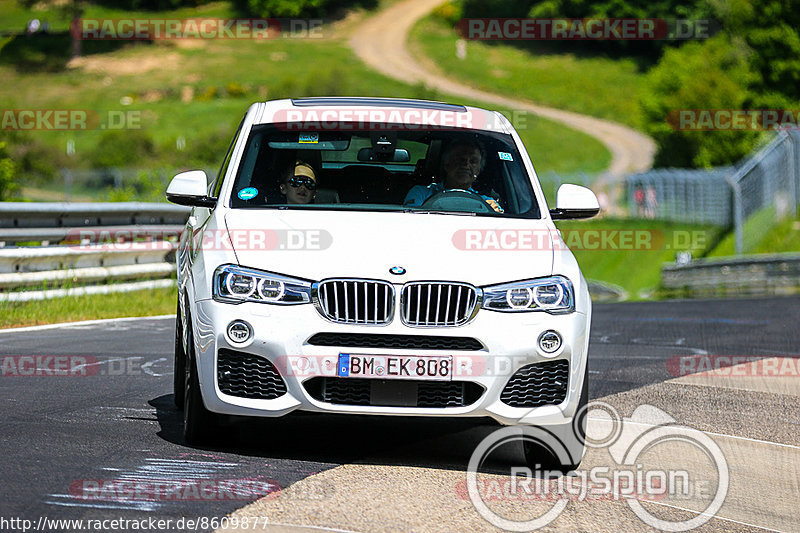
552, 295
234, 284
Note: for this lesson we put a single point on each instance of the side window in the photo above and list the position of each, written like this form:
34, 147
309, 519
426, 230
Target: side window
217, 184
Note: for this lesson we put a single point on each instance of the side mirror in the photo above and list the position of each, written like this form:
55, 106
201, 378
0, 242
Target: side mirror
574, 201
189, 188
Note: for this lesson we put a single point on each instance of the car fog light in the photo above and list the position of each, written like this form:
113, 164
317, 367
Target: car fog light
239, 331
549, 341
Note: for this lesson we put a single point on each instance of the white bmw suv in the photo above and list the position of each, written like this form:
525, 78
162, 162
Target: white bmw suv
379, 256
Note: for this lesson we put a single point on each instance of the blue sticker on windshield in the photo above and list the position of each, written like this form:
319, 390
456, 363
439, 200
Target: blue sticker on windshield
505, 156
309, 138
248, 194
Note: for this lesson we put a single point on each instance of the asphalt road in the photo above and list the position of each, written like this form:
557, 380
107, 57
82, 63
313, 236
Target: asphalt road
72, 445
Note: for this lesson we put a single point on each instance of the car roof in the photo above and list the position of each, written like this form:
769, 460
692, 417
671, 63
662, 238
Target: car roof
326, 111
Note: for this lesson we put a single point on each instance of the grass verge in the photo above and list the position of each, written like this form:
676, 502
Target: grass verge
761, 234
597, 86
630, 253
89, 307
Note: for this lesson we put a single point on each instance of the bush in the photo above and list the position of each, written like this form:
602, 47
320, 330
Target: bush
450, 12
149, 5
8, 184
34, 161
120, 148
280, 8
297, 8
147, 186
714, 74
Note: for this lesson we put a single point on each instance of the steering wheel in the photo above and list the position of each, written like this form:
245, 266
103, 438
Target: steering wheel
458, 200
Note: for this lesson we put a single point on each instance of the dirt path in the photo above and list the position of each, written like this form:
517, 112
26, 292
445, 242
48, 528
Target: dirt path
380, 41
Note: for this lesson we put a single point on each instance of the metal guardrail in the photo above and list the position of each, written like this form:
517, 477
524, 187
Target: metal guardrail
86, 243
752, 275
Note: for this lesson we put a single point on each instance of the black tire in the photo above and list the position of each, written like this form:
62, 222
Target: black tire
179, 364
199, 424
572, 439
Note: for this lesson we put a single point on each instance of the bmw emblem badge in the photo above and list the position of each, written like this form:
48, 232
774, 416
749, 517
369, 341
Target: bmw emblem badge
397, 271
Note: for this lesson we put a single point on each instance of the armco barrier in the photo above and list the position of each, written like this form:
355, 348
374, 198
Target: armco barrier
61, 255
51, 221
751, 275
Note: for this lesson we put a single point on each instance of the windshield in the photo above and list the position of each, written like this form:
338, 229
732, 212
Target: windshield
386, 169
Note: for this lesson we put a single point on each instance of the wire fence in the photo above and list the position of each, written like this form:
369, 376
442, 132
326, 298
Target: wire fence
723, 196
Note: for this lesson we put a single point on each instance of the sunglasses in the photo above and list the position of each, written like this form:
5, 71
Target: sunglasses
297, 182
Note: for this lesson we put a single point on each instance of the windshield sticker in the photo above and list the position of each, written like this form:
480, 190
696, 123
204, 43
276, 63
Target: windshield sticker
309, 138
505, 156
248, 194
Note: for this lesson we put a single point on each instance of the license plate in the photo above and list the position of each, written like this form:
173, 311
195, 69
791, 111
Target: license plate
434, 367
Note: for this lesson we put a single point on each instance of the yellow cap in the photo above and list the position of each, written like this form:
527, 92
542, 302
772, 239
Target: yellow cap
304, 169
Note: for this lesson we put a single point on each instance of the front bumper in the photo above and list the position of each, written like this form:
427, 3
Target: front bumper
281, 335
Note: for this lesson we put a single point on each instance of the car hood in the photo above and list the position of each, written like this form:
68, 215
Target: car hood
323, 244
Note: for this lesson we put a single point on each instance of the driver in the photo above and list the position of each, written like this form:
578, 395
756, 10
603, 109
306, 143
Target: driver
462, 162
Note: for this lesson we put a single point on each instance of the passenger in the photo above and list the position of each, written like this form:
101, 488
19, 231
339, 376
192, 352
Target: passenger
463, 161
300, 185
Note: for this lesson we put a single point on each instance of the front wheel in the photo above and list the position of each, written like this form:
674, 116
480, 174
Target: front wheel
179, 364
199, 424
565, 445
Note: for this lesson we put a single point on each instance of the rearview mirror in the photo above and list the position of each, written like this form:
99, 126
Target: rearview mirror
189, 188
574, 201
400, 155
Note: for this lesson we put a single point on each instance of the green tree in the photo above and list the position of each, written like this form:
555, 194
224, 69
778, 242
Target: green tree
714, 74
771, 29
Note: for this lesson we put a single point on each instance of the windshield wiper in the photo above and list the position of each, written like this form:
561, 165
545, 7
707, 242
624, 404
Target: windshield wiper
438, 212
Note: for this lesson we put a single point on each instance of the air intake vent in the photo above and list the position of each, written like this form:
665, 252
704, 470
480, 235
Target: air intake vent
537, 384
393, 342
248, 376
393, 393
